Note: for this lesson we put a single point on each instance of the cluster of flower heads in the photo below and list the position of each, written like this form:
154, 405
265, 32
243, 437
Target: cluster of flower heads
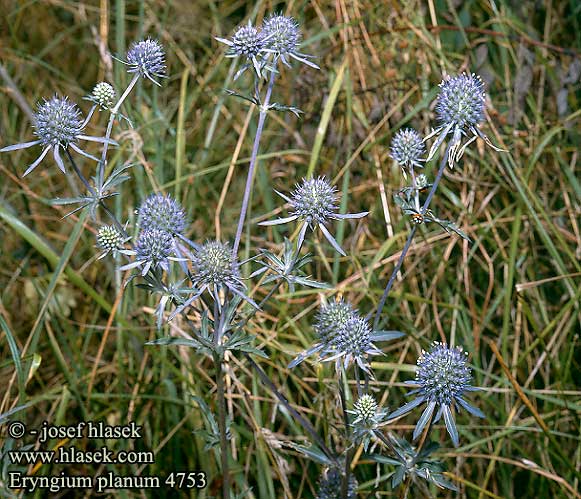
161, 220
314, 202
443, 377
344, 336
58, 123
279, 37
460, 108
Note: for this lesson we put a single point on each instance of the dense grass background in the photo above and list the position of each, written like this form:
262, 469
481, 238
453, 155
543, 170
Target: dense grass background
72, 346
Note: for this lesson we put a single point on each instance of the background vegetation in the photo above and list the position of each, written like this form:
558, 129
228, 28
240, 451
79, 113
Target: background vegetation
72, 346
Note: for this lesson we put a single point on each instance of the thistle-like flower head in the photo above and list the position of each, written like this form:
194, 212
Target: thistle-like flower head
365, 410
57, 122
407, 148
283, 34
368, 417
354, 338
214, 263
330, 318
314, 200
247, 41
103, 95
147, 58
152, 250
461, 101
282, 37
110, 239
443, 373
163, 213
330, 485
443, 376
460, 108
215, 268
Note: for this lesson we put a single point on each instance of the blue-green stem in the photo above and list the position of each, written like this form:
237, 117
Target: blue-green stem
112, 115
253, 159
409, 239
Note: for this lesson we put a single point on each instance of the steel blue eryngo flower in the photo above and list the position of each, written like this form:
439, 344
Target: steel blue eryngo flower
248, 42
314, 202
282, 39
152, 250
442, 378
162, 212
460, 109
146, 58
58, 124
407, 149
344, 336
215, 268
329, 318
353, 342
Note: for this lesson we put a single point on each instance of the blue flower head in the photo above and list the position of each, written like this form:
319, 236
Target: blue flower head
282, 37
162, 212
147, 58
247, 42
153, 248
461, 101
215, 264
443, 377
58, 124
460, 108
331, 317
314, 203
407, 148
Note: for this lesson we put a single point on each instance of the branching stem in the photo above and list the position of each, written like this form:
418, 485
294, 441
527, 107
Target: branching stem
408, 243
